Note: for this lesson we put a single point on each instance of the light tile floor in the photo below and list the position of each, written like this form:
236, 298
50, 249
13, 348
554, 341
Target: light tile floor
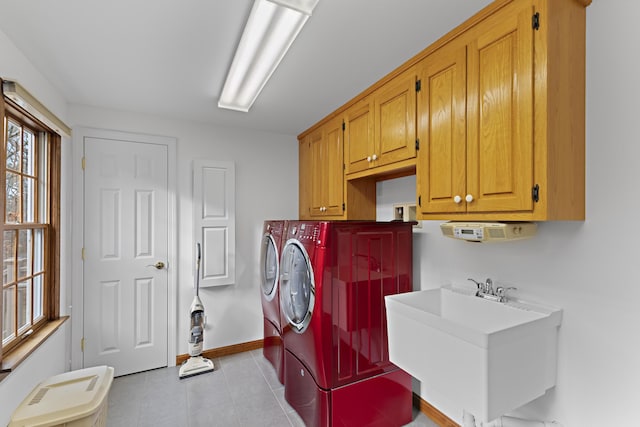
243, 391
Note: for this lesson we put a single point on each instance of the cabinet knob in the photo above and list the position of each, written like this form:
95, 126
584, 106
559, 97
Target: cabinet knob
374, 157
469, 198
368, 158
457, 199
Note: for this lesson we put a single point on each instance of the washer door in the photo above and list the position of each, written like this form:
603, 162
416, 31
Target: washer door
297, 287
269, 266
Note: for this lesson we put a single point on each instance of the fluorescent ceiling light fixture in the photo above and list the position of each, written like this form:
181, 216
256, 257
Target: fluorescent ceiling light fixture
272, 27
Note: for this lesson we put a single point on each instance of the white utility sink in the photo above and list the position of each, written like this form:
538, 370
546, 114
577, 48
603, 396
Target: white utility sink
484, 356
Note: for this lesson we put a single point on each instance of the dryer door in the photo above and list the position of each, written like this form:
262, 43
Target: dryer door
269, 266
297, 286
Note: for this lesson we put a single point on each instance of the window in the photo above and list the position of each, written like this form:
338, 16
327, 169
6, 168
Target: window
30, 206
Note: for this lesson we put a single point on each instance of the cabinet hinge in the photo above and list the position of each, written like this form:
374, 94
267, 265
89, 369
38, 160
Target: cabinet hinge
82, 344
344, 207
343, 126
418, 85
535, 21
535, 193
419, 200
418, 144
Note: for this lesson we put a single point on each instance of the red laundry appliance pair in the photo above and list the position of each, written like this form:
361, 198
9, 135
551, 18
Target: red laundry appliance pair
272, 242
333, 280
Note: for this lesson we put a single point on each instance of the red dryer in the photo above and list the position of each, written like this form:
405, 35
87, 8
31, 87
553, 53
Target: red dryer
333, 280
271, 246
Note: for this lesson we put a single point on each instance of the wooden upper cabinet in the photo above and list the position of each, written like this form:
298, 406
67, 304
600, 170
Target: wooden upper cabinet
441, 164
323, 192
327, 179
380, 129
481, 159
358, 136
395, 120
517, 151
304, 177
500, 113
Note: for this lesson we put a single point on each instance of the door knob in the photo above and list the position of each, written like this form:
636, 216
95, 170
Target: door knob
158, 265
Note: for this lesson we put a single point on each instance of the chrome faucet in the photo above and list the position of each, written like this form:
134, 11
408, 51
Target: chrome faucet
486, 291
483, 288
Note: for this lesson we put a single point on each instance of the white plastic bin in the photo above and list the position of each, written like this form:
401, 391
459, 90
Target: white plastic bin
73, 399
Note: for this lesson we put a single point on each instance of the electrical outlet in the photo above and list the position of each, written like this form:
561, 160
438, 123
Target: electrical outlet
406, 212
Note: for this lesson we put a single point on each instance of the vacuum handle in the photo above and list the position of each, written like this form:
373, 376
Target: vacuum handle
198, 257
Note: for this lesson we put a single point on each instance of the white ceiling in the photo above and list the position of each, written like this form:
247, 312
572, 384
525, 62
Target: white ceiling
170, 57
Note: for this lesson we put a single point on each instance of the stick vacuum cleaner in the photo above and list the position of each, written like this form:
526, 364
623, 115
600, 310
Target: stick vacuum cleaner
196, 364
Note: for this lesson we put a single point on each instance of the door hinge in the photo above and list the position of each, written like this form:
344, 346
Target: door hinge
84, 162
344, 207
418, 144
535, 193
82, 254
82, 344
343, 125
535, 21
418, 85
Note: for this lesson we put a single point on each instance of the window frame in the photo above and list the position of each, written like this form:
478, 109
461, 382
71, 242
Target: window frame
16, 351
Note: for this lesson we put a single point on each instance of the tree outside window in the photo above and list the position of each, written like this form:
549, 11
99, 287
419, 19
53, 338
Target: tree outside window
24, 242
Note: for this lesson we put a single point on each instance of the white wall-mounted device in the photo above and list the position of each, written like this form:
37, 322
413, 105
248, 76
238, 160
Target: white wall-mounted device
488, 231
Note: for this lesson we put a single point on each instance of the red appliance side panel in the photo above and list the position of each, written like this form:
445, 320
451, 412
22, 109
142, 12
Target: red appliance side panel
370, 262
273, 348
312, 403
381, 401
404, 260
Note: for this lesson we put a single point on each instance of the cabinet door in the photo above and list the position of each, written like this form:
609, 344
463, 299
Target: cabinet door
334, 169
500, 112
358, 136
327, 170
317, 156
441, 163
304, 178
395, 120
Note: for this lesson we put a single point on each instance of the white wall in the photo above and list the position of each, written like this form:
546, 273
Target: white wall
588, 268
49, 359
266, 187
53, 356
591, 269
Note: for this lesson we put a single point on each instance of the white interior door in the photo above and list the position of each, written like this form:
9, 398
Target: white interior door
125, 254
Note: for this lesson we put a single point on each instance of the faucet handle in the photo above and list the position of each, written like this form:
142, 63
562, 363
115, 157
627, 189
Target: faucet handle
501, 292
479, 285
